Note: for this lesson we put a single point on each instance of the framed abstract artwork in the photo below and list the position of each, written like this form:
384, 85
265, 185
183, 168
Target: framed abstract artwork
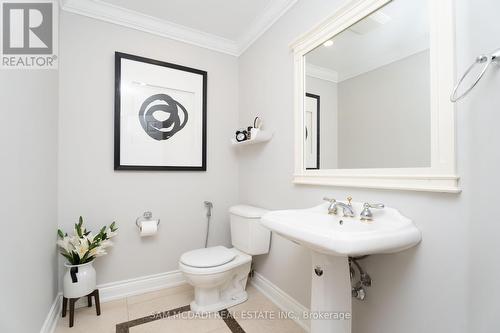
160, 115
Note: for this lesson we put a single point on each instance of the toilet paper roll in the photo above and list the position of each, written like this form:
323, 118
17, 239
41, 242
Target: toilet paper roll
149, 228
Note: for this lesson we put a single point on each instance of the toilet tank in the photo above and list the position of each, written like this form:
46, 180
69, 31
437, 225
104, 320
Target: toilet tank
247, 233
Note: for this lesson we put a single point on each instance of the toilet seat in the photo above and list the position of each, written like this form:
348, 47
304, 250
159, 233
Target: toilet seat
208, 257
239, 259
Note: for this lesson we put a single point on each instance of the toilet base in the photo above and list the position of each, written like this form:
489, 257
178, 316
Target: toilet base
220, 287
223, 304
218, 291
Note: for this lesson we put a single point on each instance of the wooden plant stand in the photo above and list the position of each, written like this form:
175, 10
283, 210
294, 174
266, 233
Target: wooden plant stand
72, 302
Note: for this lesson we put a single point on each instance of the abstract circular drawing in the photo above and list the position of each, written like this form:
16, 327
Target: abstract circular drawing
177, 116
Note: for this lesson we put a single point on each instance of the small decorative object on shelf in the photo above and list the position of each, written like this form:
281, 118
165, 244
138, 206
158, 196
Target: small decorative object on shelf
241, 135
80, 250
252, 134
257, 122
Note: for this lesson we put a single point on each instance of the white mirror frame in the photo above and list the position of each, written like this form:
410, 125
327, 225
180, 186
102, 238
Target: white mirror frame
441, 175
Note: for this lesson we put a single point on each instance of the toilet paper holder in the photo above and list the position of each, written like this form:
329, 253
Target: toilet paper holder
146, 216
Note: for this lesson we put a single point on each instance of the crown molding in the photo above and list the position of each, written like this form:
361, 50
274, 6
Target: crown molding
107, 12
322, 73
402, 55
274, 10
328, 74
121, 16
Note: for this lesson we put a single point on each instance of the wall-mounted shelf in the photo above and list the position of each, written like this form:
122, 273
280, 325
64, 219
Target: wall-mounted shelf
260, 136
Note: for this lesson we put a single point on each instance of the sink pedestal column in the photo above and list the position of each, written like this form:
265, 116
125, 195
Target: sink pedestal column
330, 294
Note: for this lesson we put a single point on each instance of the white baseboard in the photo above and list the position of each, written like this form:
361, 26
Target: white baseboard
49, 325
144, 284
118, 290
125, 288
282, 300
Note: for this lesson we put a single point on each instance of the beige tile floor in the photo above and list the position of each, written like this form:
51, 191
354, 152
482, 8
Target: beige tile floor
134, 307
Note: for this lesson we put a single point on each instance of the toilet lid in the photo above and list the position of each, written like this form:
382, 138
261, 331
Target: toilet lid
209, 257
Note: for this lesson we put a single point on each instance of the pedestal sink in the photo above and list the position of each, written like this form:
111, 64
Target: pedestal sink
332, 239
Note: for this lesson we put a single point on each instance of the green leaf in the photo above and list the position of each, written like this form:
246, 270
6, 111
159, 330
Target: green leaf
113, 227
79, 228
69, 258
89, 259
103, 230
60, 233
85, 257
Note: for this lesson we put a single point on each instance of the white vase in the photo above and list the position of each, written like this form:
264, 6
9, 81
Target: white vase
79, 280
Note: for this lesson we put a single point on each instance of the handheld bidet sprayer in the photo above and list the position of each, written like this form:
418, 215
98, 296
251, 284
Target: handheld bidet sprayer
208, 206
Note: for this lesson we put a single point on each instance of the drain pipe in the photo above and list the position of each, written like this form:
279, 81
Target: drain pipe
358, 290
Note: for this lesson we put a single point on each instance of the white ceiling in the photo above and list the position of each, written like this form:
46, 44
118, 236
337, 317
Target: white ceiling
228, 26
406, 33
224, 18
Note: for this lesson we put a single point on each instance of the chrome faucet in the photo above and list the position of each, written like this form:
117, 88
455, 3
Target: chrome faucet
346, 208
332, 209
366, 214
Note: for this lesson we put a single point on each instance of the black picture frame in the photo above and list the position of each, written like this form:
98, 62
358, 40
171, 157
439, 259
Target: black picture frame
318, 129
117, 117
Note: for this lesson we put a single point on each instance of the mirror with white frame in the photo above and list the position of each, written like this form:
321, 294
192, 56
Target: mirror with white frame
372, 97
368, 93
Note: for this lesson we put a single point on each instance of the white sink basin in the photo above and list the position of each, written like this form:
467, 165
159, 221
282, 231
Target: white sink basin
332, 239
389, 231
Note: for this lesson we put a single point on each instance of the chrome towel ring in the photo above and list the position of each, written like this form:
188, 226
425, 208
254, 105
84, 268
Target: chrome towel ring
485, 61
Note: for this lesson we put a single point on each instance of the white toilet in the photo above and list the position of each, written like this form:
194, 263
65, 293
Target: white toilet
218, 274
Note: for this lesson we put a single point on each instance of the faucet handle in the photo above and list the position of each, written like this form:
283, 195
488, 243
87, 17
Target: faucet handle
332, 208
366, 214
331, 200
376, 205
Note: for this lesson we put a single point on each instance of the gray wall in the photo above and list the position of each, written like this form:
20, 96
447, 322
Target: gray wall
28, 151
384, 116
420, 290
89, 186
328, 119
480, 115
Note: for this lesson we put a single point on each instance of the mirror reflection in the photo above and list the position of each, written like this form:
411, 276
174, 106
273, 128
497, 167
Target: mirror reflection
367, 93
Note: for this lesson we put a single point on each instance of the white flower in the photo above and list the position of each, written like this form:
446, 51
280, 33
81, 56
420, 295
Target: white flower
82, 247
97, 252
65, 244
75, 241
106, 243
